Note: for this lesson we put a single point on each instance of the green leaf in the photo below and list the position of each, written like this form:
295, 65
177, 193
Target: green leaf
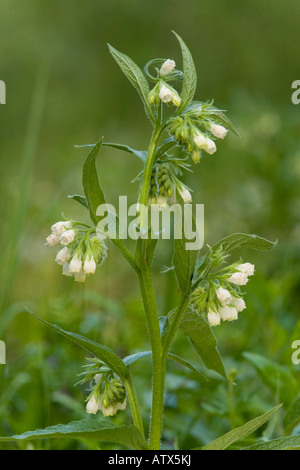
276, 377
141, 154
190, 76
292, 416
244, 240
282, 443
135, 357
113, 361
93, 193
100, 429
241, 432
136, 78
81, 199
187, 364
196, 328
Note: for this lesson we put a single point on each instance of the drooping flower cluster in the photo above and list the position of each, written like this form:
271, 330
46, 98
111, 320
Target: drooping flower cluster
220, 297
163, 91
108, 393
82, 251
198, 127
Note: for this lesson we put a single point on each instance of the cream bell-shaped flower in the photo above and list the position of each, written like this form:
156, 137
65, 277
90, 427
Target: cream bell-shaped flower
209, 147
200, 140
213, 318
185, 194
239, 303
167, 67
67, 237
63, 256
246, 268
240, 279
122, 406
228, 313
92, 405
52, 240
61, 227
109, 411
75, 265
165, 94
66, 270
89, 266
223, 295
218, 131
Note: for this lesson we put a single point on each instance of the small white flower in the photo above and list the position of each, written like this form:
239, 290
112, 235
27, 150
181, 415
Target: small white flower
89, 266
200, 140
218, 131
185, 194
213, 318
165, 94
80, 277
210, 147
176, 100
228, 313
223, 295
109, 411
75, 264
66, 270
239, 303
53, 239
122, 406
92, 405
67, 237
61, 227
246, 268
240, 279
162, 201
63, 256
167, 67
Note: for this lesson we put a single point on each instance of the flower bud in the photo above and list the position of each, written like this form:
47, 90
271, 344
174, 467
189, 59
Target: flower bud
110, 410
92, 405
246, 268
200, 140
89, 266
67, 237
167, 67
223, 295
176, 98
61, 227
75, 264
213, 318
218, 131
165, 94
196, 155
228, 313
239, 303
63, 256
52, 240
240, 279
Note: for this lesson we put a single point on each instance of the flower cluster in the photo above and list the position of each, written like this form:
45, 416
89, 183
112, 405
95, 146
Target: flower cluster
82, 251
163, 92
108, 395
220, 295
197, 128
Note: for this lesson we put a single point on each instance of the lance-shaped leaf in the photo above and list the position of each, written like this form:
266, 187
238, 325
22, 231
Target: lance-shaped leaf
141, 154
100, 429
241, 432
292, 416
196, 328
106, 355
244, 240
190, 76
136, 78
81, 199
282, 443
92, 191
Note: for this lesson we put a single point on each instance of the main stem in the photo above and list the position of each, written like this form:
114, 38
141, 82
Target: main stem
147, 291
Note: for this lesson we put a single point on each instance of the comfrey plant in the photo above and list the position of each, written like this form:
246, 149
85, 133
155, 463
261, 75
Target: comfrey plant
211, 289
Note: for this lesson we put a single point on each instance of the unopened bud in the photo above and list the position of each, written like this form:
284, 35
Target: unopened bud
213, 318
246, 268
218, 131
167, 67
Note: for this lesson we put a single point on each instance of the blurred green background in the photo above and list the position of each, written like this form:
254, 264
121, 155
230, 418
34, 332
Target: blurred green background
63, 88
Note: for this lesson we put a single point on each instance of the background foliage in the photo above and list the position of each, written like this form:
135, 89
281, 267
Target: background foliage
63, 88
